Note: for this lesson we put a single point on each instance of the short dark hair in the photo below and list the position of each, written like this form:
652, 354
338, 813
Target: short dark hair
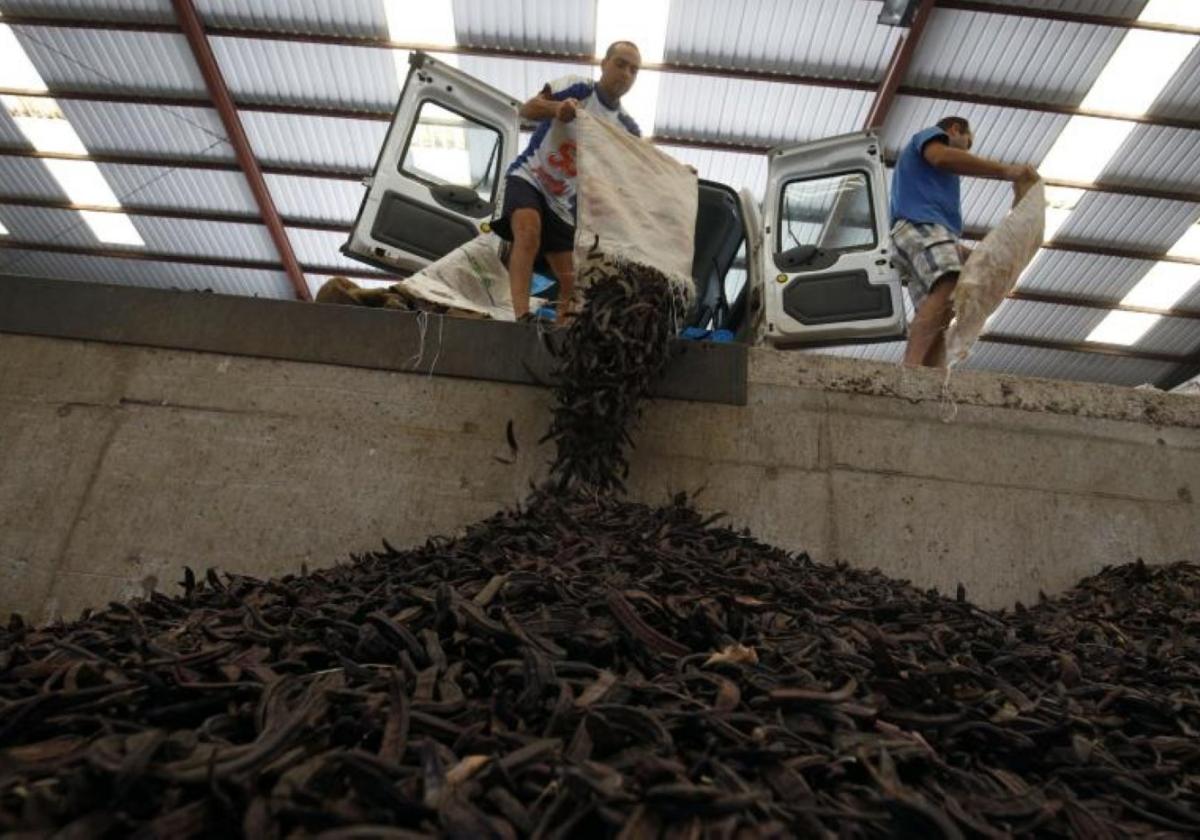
613, 48
946, 123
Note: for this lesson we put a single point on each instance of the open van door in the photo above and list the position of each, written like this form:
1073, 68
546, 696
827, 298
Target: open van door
826, 269
440, 175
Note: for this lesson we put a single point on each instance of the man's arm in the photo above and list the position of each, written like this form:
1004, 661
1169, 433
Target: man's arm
543, 107
964, 163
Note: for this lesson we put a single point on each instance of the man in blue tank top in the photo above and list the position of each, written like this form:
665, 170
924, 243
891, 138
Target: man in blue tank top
926, 211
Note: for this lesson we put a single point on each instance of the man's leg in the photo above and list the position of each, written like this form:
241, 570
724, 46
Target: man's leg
526, 226
926, 334
562, 263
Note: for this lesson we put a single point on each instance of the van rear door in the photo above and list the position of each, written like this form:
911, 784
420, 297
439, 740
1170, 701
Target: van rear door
440, 174
826, 264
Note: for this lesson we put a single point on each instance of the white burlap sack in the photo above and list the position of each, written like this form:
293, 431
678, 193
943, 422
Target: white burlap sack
992, 270
635, 204
470, 278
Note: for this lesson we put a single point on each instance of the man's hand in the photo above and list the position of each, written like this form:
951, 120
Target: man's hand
566, 110
1022, 173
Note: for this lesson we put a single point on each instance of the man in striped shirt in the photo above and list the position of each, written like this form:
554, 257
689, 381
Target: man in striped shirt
539, 191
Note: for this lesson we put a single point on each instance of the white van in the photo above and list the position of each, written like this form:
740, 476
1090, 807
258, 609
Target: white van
813, 267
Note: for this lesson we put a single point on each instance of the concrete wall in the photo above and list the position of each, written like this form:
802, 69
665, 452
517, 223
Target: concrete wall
121, 462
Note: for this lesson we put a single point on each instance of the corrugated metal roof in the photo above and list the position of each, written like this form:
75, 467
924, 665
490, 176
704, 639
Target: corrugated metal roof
562, 26
340, 144
1000, 55
1192, 299
345, 17
28, 178
883, 351
1129, 221
742, 111
1181, 97
1154, 156
829, 38
139, 11
148, 129
180, 189
984, 203
315, 199
520, 79
287, 72
172, 236
734, 169
1085, 275
111, 60
1108, 8
1172, 335
1065, 364
1007, 134
42, 225
322, 248
1040, 320
159, 275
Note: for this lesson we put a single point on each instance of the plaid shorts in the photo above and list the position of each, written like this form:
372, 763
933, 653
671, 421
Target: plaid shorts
924, 253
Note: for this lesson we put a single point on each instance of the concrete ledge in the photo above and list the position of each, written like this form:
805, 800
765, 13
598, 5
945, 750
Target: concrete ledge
340, 335
120, 464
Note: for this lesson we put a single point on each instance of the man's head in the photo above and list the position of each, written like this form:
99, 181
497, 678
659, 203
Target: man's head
959, 131
619, 69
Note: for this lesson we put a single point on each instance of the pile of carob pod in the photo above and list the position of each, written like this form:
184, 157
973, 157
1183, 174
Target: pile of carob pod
585, 666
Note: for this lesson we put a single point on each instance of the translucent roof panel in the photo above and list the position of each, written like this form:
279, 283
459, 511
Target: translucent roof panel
153, 273
184, 237
1007, 134
755, 113
829, 38
521, 79
1129, 221
554, 26
325, 142
10, 135
131, 11
102, 59
1046, 321
288, 72
1084, 275
1155, 156
363, 18
110, 127
1002, 55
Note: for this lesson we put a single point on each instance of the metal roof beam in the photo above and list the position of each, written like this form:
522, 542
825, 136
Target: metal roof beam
684, 68
381, 116
1089, 347
8, 243
342, 227
1066, 17
193, 29
898, 67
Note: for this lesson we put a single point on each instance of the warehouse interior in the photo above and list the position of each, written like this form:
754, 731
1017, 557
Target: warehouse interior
277, 568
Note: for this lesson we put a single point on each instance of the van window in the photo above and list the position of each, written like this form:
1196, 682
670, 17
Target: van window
831, 212
446, 147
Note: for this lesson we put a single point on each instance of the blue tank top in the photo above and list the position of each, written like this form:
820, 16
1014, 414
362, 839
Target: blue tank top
923, 193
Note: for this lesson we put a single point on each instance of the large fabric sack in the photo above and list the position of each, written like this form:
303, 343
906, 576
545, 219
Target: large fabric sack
635, 204
992, 270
